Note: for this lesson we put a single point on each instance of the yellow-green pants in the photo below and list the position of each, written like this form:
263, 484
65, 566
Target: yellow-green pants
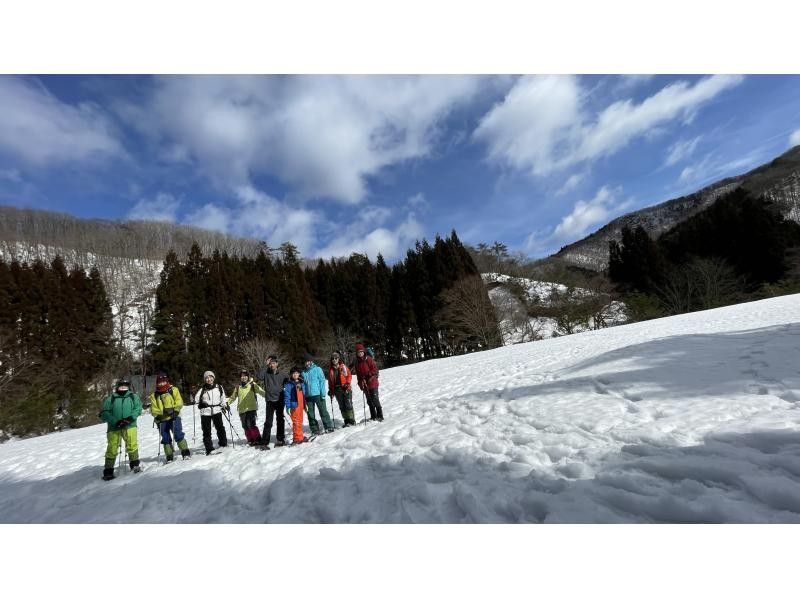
130, 437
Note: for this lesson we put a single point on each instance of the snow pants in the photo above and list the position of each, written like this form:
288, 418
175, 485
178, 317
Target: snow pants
130, 436
297, 420
319, 403
374, 404
219, 426
345, 400
169, 429
274, 409
250, 427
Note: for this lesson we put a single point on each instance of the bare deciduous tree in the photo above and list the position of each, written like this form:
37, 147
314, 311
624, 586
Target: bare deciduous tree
468, 314
253, 353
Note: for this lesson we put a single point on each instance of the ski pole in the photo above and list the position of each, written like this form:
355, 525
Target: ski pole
194, 425
333, 414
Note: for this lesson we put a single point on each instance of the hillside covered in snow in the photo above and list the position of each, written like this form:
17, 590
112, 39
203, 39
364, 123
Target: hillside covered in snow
692, 418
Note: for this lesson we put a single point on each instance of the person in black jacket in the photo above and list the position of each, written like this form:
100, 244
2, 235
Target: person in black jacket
273, 388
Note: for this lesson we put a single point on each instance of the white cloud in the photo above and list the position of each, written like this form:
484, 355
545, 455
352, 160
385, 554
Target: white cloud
681, 150
162, 207
584, 217
322, 136
256, 214
794, 138
543, 124
572, 183
418, 202
11, 174
39, 129
360, 236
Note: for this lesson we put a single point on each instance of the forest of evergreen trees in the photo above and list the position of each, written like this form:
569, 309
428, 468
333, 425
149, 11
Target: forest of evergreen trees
739, 248
55, 345
209, 308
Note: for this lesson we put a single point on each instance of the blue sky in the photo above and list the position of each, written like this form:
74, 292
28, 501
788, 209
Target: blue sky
372, 163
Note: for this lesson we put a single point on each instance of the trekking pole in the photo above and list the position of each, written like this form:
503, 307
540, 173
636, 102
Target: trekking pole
119, 454
364, 397
333, 415
158, 431
194, 425
233, 432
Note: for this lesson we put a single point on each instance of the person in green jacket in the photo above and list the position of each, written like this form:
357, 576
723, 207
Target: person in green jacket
165, 407
245, 393
120, 411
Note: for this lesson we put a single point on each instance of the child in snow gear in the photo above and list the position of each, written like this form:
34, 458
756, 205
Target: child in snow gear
165, 407
294, 399
314, 389
339, 379
367, 373
211, 401
120, 411
273, 392
245, 393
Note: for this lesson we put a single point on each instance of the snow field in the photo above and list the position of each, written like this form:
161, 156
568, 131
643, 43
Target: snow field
692, 418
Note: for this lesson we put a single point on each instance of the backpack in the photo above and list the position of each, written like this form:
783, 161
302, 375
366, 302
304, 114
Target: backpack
371, 352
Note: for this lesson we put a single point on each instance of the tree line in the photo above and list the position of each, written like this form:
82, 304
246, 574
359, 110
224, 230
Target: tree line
55, 346
739, 248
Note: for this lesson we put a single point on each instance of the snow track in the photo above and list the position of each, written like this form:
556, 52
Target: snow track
687, 419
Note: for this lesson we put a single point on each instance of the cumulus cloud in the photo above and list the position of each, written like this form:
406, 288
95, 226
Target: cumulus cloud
40, 130
163, 206
252, 213
362, 236
794, 138
544, 125
322, 136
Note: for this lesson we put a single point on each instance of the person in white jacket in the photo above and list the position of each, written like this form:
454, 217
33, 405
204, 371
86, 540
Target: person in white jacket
212, 402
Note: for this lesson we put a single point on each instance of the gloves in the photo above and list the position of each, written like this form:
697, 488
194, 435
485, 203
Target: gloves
203, 405
346, 387
123, 423
158, 418
169, 412
226, 409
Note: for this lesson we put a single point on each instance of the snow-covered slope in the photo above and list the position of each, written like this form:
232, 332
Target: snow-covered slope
689, 418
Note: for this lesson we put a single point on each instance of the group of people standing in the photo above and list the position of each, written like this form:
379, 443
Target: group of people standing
301, 391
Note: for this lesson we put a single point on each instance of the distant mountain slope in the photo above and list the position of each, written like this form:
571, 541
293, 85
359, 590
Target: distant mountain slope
778, 180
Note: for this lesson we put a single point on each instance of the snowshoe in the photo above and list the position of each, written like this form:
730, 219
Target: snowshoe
137, 469
280, 443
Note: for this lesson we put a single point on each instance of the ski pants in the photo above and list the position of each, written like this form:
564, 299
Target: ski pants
318, 402
130, 437
297, 420
175, 428
219, 425
374, 403
345, 400
250, 427
274, 409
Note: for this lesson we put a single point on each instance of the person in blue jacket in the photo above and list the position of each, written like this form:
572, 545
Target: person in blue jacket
315, 387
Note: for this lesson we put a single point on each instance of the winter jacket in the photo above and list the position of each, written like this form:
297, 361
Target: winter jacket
273, 385
367, 372
165, 406
314, 384
121, 406
340, 376
290, 391
210, 399
246, 395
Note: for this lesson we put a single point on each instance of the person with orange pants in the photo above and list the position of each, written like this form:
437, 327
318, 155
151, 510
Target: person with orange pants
295, 403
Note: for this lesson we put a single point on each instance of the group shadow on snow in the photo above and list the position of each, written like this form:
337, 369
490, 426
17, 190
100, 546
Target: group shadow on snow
753, 477
691, 365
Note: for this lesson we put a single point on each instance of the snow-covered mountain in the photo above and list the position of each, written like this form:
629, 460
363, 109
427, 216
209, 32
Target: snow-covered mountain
692, 418
779, 181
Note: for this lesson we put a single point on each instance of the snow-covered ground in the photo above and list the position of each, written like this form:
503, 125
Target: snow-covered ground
692, 418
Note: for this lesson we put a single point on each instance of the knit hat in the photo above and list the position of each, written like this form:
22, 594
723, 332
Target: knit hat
359, 347
162, 382
293, 370
208, 373
307, 357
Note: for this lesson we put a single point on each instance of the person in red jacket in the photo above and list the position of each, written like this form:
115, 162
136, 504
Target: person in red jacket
367, 373
339, 379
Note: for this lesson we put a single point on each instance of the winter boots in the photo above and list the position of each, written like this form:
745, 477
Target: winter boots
108, 474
